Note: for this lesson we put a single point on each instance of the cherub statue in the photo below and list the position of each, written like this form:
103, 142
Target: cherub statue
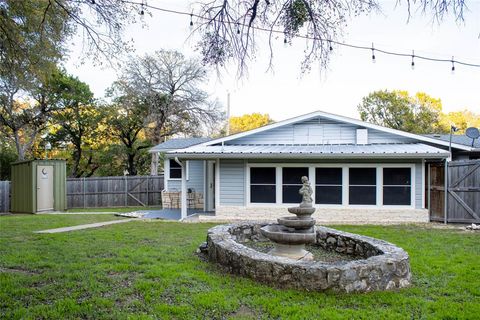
306, 192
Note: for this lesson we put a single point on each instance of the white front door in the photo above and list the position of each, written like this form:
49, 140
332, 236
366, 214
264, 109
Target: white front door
44, 188
210, 198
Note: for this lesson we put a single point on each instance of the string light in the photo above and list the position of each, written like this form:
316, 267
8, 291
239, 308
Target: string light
413, 62
141, 11
285, 41
373, 54
93, 1
238, 29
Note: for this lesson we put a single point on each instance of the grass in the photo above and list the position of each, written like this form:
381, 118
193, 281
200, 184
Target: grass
149, 270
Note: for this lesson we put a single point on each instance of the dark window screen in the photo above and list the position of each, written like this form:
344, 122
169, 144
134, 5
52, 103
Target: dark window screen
397, 196
328, 194
397, 186
292, 182
328, 186
263, 185
363, 176
262, 175
396, 176
363, 195
175, 170
363, 189
263, 194
294, 175
328, 176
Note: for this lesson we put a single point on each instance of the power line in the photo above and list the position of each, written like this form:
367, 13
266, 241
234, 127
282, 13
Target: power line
144, 4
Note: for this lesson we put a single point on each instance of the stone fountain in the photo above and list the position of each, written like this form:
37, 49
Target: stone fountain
292, 233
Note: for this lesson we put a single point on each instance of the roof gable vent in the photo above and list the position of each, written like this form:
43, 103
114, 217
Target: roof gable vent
362, 136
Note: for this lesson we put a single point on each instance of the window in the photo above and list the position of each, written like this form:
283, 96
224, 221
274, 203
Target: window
397, 186
291, 184
363, 186
175, 170
328, 185
262, 185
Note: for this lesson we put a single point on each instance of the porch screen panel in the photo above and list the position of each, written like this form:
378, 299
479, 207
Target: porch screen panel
175, 170
397, 186
291, 183
262, 185
328, 185
363, 186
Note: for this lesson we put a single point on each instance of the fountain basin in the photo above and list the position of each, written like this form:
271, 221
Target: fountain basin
284, 235
294, 222
302, 212
378, 265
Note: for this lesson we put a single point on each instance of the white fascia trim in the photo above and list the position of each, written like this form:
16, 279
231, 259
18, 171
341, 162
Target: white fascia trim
341, 119
439, 155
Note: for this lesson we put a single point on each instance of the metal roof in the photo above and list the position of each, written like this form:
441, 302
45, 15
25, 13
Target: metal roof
178, 143
456, 138
412, 150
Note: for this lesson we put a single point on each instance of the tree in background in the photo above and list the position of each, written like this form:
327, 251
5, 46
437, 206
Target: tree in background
397, 110
127, 120
171, 86
78, 124
460, 119
248, 122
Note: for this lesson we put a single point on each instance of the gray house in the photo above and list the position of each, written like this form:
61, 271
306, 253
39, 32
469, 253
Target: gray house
358, 171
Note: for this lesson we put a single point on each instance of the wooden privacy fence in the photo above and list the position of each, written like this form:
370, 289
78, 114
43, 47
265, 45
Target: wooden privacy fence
463, 203
123, 191
4, 196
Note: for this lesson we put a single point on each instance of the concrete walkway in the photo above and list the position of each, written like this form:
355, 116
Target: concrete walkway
84, 226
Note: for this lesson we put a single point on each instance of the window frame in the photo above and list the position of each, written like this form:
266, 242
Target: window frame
345, 183
410, 185
167, 169
262, 184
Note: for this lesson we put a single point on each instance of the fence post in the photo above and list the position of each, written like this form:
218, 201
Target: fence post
126, 191
147, 192
84, 200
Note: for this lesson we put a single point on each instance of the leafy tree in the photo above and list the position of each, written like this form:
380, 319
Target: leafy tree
127, 119
249, 122
78, 123
460, 119
8, 155
396, 109
229, 28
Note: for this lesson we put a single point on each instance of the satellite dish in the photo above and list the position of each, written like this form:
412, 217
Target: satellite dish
472, 133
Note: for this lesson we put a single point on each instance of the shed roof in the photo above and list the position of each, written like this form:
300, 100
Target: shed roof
409, 150
178, 143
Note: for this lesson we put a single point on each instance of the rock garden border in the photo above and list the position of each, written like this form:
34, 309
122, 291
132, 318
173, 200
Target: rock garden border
380, 266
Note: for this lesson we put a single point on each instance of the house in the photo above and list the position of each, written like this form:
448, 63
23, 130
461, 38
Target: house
358, 171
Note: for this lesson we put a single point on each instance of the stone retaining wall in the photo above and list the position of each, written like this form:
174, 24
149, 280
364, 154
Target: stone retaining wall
381, 265
323, 215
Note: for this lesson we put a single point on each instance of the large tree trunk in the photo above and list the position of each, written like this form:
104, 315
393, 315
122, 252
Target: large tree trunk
154, 164
132, 170
18, 145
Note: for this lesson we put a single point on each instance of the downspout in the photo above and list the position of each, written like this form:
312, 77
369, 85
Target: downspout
183, 193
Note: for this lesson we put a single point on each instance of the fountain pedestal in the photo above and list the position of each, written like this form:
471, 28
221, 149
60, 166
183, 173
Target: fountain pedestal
292, 233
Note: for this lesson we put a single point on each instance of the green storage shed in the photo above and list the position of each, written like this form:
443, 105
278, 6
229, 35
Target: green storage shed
39, 185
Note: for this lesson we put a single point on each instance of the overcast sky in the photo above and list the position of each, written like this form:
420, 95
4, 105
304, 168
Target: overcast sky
351, 75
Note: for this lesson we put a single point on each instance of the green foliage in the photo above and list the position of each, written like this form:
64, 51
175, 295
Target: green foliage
8, 155
150, 270
397, 110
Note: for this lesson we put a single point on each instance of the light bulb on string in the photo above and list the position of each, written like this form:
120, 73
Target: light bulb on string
330, 44
141, 10
285, 41
191, 20
238, 29
373, 54
453, 65
413, 62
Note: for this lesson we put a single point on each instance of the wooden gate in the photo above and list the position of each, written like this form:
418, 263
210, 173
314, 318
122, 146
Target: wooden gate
463, 204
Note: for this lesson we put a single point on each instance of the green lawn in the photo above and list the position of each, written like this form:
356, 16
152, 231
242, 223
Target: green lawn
149, 270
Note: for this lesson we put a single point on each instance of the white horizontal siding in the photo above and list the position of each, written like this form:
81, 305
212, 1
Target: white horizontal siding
232, 183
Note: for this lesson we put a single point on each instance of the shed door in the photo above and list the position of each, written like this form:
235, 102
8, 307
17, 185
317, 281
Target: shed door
44, 188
